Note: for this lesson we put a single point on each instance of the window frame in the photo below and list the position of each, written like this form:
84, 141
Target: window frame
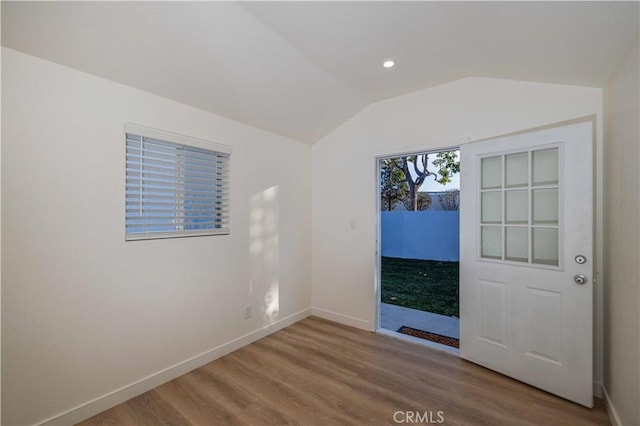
503, 225
186, 141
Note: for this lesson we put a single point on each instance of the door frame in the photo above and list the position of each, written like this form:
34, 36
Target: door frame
586, 124
451, 145
598, 209
598, 237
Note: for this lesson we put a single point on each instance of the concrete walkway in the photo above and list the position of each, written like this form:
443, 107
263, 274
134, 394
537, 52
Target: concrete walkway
393, 317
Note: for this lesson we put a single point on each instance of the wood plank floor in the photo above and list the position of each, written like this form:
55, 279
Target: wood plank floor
318, 372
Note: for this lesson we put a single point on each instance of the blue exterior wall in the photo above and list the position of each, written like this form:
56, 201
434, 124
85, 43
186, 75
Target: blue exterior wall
432, 235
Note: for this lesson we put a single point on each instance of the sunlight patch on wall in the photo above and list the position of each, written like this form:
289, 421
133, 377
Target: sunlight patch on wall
264, 247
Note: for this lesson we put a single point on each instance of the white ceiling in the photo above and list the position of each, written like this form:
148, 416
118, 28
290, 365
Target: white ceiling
300, 69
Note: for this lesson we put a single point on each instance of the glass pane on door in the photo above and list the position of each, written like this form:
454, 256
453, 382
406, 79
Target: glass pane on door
491, 172
492, 207
517, 244
517, 207
545, 246
545, 167
491, 242
545, 206
523, 211
517, 166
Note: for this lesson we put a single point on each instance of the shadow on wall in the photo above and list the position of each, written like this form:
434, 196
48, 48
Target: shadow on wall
264, 252
428, 235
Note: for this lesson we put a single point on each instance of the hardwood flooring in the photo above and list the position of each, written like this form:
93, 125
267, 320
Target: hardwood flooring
318, 372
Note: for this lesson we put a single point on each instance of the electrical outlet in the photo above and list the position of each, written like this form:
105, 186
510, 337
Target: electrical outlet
247, 312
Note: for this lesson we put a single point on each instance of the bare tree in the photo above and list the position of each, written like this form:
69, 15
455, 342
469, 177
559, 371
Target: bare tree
446, 162
424, 201
449, 200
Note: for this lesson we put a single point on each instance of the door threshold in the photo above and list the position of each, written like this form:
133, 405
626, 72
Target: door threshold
416, 340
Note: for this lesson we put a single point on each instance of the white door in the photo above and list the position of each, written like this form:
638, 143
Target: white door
526, 258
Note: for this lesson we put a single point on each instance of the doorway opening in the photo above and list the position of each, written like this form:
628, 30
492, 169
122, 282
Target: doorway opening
418, 256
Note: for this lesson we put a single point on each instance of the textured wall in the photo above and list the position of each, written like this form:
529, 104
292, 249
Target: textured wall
622, 240
84, 312
344, 173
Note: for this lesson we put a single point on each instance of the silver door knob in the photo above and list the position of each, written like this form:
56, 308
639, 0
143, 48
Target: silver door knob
580, 279
581, 259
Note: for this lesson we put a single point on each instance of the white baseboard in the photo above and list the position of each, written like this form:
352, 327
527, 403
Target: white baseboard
342, 319
597, 389
118, 396
611, 410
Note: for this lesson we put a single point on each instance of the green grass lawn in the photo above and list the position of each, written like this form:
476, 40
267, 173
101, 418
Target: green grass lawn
427, 285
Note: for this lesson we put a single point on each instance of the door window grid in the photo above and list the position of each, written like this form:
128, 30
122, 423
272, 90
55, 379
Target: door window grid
519, 212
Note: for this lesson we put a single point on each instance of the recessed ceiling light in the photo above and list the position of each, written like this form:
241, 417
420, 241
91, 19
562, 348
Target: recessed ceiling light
388, 64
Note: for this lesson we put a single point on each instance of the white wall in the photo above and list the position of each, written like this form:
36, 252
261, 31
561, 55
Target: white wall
622, 241
344, 172
84, 312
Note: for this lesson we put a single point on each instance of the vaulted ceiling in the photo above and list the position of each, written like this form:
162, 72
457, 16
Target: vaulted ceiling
300, 69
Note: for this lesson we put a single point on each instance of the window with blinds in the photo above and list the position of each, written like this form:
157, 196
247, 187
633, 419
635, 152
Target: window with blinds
175, 186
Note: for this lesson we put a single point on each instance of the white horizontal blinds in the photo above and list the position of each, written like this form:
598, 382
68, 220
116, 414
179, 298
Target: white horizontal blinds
175, 189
